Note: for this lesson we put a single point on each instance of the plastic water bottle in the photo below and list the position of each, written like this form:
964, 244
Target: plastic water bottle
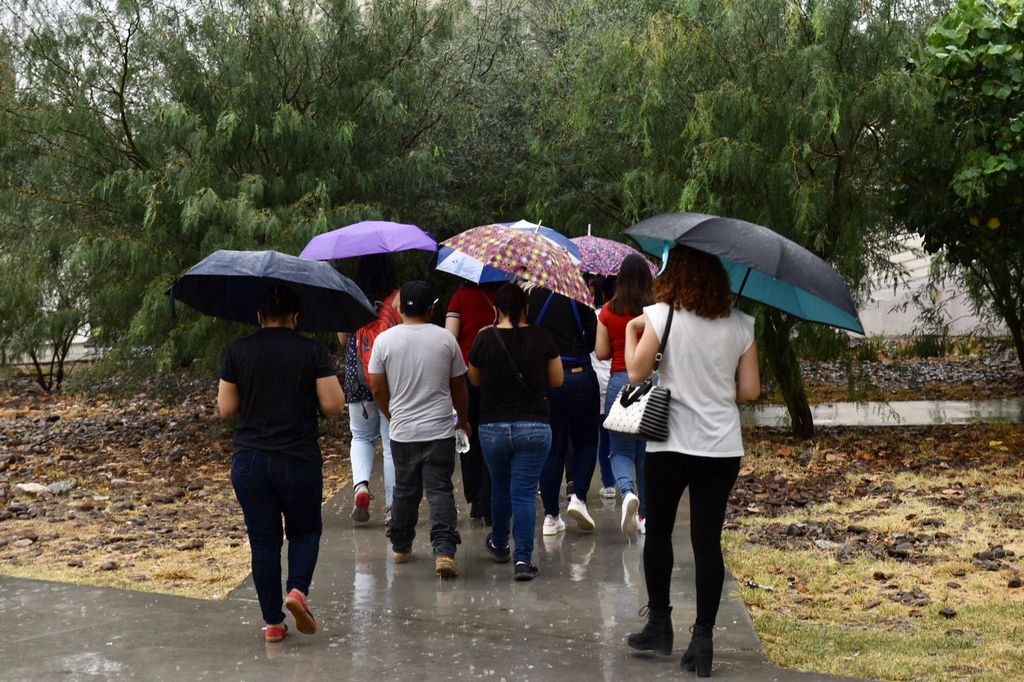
461, 439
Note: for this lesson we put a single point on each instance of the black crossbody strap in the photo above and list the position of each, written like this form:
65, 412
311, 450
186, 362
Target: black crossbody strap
664, 336
515, 367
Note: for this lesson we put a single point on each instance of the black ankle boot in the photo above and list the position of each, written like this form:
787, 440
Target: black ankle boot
701, 651
657, 634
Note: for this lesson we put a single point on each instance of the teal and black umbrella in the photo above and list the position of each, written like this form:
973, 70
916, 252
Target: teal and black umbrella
231, 284
763, 265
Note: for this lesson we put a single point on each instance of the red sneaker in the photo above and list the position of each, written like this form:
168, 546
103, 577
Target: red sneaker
275, 633
304, 621
361, 509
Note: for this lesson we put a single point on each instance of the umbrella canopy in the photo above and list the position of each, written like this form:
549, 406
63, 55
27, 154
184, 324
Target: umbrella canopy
367, 237
461, 265
231, 284
763, 265
523, 254
604, 256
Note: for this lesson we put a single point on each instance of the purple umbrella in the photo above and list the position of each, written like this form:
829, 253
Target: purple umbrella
604, 256
369, 236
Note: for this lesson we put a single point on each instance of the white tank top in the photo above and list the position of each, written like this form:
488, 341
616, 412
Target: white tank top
699, 368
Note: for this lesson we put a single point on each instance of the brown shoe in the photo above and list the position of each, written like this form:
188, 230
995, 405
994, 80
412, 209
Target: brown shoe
445, 566
402, 557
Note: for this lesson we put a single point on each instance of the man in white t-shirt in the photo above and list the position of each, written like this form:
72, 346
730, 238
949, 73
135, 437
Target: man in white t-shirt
417, 375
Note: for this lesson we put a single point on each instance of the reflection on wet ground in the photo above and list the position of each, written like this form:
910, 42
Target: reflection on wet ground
382, 621
895, 413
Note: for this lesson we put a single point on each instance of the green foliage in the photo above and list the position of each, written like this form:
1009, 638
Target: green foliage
774, 111
175, 131
958, 181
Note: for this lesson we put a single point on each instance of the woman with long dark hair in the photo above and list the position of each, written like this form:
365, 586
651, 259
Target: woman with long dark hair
514, 364
632, 293
709, 365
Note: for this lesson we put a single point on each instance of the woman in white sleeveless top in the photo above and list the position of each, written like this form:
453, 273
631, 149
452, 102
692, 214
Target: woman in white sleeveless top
709, 365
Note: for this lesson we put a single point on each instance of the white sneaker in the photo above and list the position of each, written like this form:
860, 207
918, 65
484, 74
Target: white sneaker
578, 512
607, 492
641, 525
553, 525
630, 503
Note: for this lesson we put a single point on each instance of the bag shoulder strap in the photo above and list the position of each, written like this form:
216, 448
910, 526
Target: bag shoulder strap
515, 367
664, 336
543, 310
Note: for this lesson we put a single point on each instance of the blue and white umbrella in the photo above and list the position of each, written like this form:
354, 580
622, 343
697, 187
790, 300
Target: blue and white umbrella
459, 264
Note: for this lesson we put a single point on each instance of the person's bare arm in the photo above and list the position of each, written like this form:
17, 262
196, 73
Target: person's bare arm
473, 375
330, 396
603, 343
556, 375
381, 393
748, 376
640, 354
342, 339
460, 400
453, 324
228, 400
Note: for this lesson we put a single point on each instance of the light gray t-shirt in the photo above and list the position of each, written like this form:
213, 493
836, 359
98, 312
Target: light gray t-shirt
699, 368
419, 361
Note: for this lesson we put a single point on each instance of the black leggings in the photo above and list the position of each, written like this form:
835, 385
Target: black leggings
710, 479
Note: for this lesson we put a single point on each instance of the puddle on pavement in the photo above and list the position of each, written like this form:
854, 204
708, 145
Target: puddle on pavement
895, 413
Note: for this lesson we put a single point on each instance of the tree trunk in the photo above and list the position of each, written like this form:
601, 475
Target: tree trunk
786, 368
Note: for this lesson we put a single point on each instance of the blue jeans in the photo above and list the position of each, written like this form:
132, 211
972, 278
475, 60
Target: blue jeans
365, 432
626, 454
269, 486
574, 418
515, 454
603, 456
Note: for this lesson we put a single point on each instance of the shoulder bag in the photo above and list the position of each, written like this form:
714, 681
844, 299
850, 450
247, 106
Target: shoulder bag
641, 410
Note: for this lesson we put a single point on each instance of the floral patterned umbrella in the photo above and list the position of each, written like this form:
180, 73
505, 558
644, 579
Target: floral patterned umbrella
526, 255
604, 256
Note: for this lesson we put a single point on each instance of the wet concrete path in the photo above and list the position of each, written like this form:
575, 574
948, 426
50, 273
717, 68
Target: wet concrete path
895, 413
381, 621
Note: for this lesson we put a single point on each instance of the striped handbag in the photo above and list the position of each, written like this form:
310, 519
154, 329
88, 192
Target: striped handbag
641, 410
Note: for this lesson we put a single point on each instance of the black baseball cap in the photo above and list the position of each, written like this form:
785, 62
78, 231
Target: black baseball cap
418, 297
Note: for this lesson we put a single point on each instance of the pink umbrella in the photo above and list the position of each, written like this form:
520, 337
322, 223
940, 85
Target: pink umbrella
604, 256
526, 255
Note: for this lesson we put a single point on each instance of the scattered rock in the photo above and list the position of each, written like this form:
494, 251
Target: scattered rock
1014, 583
878, 575
872, 604
32, 488
84, 504
857, 530
29, 535
109, 566
195, 544
76, 563
24, 542
163, 499
61, 487
947, 613
953, 585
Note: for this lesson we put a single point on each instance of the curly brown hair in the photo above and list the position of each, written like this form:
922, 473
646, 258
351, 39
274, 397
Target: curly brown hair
695, 280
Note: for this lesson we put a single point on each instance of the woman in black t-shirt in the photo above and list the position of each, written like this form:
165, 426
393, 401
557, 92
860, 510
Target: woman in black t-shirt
275, 381
514, 364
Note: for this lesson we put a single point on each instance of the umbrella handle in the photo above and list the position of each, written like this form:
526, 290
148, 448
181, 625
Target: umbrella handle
664, 257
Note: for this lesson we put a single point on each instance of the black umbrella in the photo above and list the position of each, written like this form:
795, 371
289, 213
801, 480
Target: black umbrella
230, 284
763, 265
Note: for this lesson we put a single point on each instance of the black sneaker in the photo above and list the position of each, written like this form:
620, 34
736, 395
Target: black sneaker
502, 556
525, 571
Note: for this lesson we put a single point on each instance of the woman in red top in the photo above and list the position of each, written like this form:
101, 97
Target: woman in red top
470, 310
633, 288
